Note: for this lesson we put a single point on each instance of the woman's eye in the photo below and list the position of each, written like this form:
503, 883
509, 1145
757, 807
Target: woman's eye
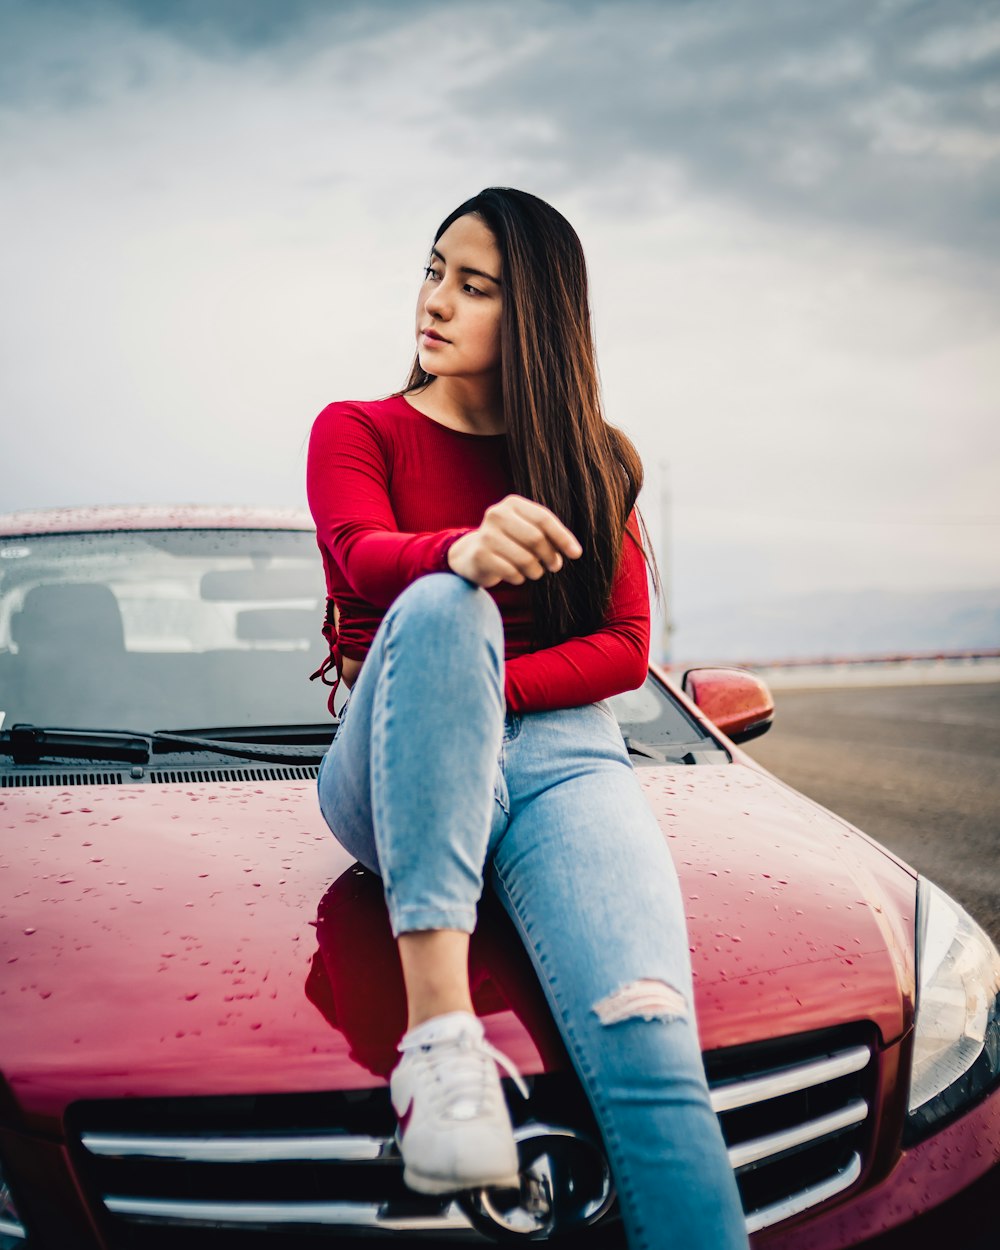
431, 272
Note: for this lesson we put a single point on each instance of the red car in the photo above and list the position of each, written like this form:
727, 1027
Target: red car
200, 996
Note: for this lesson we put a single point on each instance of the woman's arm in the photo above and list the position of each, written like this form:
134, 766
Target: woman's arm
592, 666
348, 491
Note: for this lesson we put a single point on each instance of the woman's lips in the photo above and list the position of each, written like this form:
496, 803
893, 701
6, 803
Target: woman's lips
427, 337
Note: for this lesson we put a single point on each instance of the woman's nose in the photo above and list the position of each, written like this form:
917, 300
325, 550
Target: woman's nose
437, 303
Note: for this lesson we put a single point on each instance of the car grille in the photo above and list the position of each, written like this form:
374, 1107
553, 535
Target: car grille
795, 1115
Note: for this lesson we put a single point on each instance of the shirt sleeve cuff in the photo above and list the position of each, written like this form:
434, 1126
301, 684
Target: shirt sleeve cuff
452, 537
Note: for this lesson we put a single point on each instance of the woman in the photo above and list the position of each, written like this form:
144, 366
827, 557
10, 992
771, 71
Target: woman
488, 581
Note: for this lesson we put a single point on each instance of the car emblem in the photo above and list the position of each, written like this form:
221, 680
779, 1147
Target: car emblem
565, 1185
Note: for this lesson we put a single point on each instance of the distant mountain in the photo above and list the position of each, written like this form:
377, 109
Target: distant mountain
838, 623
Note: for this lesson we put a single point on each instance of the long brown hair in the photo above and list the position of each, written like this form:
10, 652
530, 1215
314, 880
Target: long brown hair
563, 453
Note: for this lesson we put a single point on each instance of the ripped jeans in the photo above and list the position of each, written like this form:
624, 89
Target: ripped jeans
430, 783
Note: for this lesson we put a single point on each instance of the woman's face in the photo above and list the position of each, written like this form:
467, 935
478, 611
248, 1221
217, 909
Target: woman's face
459, 303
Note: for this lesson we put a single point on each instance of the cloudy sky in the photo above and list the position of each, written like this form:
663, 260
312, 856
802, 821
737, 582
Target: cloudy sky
215, 214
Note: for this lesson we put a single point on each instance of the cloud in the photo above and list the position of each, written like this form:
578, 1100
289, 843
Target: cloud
879, 116
221, 28
883, 117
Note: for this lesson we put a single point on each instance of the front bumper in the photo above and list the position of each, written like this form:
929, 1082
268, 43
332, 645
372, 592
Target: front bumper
943, 1181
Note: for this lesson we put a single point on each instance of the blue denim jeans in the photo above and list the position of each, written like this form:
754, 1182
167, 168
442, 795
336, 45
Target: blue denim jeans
431, 783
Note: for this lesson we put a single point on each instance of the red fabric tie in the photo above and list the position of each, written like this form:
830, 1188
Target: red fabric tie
333, 660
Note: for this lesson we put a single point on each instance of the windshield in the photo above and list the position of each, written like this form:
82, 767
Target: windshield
190, 629
161, 629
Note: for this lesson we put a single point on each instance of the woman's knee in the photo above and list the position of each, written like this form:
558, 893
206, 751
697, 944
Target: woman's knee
451, 602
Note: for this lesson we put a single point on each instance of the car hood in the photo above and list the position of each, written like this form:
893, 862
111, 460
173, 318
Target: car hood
214, 938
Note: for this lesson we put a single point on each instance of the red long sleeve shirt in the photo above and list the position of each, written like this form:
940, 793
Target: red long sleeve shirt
390, 490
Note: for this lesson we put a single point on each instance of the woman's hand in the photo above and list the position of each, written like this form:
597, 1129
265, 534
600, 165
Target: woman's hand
518, 539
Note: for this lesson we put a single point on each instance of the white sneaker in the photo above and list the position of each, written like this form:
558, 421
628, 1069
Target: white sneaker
454, 1127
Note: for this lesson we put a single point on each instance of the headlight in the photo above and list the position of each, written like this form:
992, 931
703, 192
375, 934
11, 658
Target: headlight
956, 1052
11, 1229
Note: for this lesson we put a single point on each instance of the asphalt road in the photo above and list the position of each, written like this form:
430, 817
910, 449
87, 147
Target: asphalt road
917, 767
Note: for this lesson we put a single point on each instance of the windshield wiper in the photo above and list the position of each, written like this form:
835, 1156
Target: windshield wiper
27, 744
706, 752
318, 734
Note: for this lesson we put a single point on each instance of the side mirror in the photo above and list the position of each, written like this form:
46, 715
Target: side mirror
736, 700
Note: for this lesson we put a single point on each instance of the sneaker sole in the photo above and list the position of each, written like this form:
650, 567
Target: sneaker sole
422, 1183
